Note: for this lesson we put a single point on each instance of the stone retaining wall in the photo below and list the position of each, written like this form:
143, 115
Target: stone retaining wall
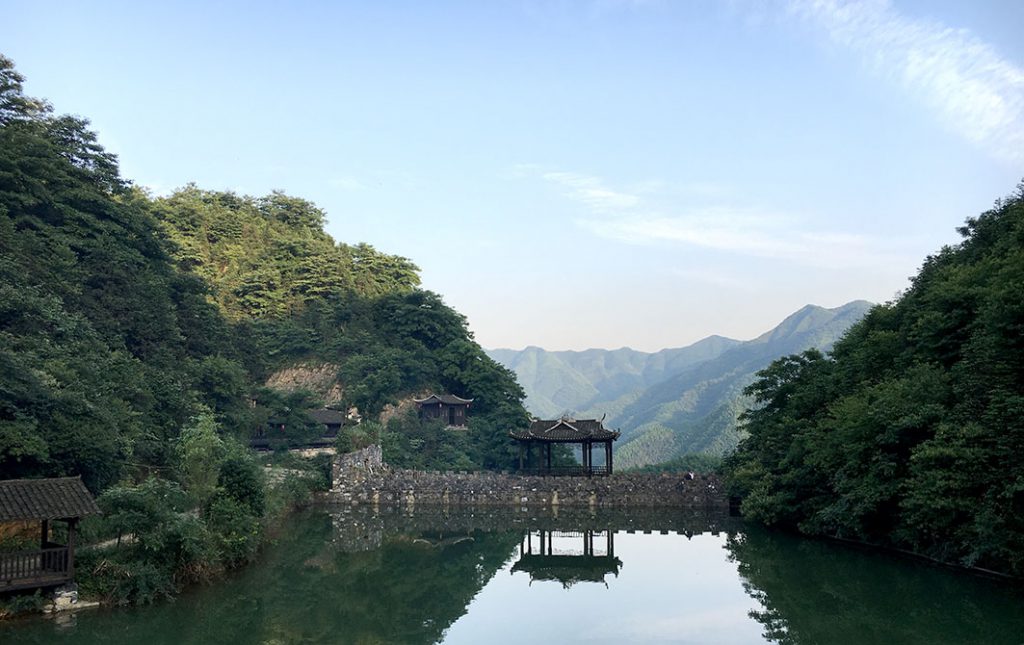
362, 477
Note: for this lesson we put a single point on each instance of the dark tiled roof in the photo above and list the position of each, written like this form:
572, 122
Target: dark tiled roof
566, 430
45, 499
448, 399
568, 569
326, 416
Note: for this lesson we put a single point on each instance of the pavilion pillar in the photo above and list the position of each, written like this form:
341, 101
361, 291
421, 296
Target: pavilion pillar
45, 537
71, 547
549, 457
521, 451
608, 456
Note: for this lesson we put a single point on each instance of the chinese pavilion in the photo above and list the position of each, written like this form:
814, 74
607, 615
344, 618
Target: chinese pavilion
23, 503
544, 434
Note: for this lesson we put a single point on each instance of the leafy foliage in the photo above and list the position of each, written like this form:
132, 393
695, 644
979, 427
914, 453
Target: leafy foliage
135, 334
909, 434
125, 320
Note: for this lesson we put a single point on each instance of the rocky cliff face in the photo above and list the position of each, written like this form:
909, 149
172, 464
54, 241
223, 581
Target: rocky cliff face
319, 378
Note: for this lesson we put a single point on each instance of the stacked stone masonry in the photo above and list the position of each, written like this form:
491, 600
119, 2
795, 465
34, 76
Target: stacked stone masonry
362, 478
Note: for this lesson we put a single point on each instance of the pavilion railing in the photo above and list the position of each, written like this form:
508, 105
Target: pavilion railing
265, 443
565, 471
42, 564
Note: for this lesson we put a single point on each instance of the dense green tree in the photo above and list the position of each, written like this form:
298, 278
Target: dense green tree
910, 433
124, 318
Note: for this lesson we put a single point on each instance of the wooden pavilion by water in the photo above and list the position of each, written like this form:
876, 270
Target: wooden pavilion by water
543, 434
23, 503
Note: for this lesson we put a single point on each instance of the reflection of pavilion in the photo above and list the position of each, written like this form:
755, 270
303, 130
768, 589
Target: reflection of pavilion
548, 562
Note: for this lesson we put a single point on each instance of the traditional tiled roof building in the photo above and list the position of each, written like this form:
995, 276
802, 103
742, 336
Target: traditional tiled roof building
585, 432
24, 501
452, 410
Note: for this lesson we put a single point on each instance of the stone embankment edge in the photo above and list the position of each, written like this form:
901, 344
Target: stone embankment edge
362, 478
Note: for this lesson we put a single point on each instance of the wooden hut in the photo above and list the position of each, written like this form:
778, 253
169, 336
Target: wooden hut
451, 409
24, 502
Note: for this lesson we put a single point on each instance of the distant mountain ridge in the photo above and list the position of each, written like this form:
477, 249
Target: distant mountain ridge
673, 401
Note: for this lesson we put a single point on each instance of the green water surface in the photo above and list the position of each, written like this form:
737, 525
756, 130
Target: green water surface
484, 577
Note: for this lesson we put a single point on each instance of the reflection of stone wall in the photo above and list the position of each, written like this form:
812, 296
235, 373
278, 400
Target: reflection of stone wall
364, 528
361, 477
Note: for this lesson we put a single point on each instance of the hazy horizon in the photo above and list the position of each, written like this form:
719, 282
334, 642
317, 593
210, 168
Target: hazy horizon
644, 351
598, 174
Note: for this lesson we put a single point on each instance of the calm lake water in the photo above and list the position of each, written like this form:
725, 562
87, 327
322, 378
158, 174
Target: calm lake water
490, 577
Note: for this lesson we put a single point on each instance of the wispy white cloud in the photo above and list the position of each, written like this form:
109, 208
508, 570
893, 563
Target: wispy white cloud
972, 89
592, 192
749, 233
637, 216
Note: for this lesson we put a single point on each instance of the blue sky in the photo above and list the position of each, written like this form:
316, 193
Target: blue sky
571, 174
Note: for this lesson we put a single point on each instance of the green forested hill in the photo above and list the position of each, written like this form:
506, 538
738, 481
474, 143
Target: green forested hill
568, 381
671, 402
696, 410
269, 257
123, 317
911, 432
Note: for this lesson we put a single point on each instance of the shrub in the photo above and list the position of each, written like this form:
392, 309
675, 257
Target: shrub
235, 530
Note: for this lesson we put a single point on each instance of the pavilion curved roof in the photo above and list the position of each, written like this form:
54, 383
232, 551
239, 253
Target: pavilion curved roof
447, 399
566, 429
568, 569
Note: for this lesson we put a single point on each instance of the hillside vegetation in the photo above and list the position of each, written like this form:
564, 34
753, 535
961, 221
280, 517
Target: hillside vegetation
136, 336
910, 433
124, 319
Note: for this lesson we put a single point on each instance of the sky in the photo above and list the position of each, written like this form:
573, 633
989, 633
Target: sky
571, 174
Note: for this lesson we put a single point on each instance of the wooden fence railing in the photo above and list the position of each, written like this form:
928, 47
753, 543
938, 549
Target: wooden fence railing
25, 567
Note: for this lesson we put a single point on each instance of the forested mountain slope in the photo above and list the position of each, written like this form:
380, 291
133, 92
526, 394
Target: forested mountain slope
123, 318
911, 432
674, 401
696, 410
561, 381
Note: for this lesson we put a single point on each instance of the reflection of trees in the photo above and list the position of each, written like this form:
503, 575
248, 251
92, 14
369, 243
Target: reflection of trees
409, 590
818, 592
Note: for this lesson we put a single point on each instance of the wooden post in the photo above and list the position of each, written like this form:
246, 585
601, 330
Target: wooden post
549, 457
521, 455
608, 456
45, 534
71, 548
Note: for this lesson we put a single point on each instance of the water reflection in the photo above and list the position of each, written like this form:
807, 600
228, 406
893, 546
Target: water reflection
813, 591
553, 560
485, 575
